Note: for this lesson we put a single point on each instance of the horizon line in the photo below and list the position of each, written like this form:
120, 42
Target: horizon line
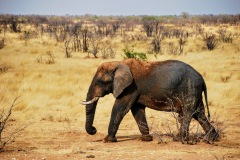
115, 15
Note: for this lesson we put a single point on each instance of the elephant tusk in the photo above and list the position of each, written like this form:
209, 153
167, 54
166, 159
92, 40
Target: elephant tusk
91, 101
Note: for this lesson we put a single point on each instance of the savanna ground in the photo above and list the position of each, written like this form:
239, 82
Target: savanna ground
50, 95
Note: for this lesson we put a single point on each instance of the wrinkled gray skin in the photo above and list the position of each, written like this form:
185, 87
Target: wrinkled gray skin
171, 86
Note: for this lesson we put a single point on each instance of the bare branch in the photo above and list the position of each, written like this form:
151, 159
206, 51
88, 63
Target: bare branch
3, 125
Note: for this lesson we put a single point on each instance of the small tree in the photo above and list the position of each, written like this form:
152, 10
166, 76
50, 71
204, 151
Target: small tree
211, 40
185, 15
76, 33
149, 24
156, 42
85, 39
68, 49
15, 27
95, 41
182, 41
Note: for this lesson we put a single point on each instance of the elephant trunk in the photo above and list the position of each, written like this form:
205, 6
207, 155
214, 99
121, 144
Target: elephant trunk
90, 113
91, 104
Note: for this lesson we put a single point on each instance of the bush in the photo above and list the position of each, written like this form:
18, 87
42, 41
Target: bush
210, 40
3, 68
48, 58
107, 50
172, 48
7, 135
156, 43
225, 36
132, 54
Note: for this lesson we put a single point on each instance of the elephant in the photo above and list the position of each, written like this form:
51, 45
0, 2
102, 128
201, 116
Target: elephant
171, 86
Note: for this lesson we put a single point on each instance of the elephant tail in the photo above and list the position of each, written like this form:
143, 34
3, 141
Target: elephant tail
206, 99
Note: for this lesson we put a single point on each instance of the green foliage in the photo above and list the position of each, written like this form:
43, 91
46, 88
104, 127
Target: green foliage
149, 18
132, 54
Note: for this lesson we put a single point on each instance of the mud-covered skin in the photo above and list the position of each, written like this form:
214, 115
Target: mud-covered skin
171, 86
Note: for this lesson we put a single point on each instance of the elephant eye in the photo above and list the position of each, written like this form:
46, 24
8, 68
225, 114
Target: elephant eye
102, 82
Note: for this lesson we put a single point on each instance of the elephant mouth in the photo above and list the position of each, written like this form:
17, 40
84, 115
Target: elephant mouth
91, 101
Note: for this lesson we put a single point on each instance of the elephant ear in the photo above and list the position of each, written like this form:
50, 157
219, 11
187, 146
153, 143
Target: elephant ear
122, 79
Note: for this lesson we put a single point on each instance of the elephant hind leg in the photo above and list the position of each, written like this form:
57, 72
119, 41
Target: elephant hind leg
210, 132
184, 128
138, 112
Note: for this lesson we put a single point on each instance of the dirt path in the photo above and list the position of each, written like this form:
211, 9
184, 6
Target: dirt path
54, 140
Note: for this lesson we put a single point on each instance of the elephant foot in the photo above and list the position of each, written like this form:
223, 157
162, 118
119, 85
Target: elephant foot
211, 136
146, 138
108, 139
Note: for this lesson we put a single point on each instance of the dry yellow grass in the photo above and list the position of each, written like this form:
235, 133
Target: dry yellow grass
51, 93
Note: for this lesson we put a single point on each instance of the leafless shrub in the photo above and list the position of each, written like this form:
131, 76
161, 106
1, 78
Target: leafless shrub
219, 125
176, 33
14, 24
173, 129
210, 40
27, 35
104, 27
226, 78
76, 33
156, 43
172, 48
199, 29
126, 38
107, 50
85, 39
148, 25
6, 135
196, 135
48, 58
140, 37
39, 59
182, 41
67, 48
58, 29
225, 36
3, 68
95, 41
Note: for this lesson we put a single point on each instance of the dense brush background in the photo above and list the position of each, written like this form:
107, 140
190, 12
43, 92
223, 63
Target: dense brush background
50, 94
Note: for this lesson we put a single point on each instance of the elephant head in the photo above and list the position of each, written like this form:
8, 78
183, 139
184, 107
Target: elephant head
111, 77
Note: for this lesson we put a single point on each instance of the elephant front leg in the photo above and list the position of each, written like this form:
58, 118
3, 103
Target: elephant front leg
138, 112
119, 110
